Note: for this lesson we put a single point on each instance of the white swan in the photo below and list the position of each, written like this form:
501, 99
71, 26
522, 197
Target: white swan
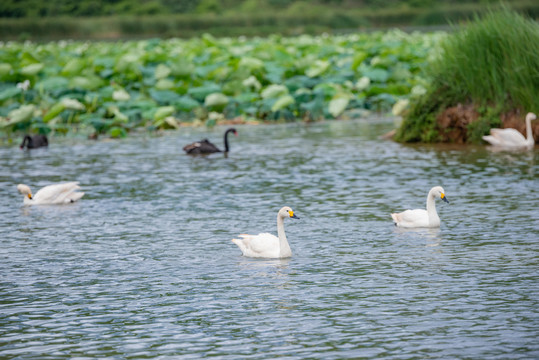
511, 138
420, 217
265, 245
52, 194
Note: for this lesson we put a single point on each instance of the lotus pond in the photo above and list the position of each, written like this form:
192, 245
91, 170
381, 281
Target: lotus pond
113, 88
143, 265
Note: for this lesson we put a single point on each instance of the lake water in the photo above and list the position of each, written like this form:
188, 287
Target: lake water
143, 265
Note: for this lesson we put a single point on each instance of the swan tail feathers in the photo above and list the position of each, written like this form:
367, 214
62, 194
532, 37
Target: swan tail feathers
74, 197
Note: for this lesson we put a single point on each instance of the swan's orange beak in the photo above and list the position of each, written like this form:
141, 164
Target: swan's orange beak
292, 215
30, 196
444, 198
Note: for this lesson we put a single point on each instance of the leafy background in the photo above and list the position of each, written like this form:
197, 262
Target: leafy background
115, 87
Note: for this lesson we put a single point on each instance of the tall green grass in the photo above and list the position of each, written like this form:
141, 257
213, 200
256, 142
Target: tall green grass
493, 62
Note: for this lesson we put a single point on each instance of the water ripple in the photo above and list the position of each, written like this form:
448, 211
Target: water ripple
143, 266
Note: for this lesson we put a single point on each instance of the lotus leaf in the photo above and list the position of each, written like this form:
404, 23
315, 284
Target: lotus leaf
32, 69
162, 71
216, 99
282, 102
274, 91
73, 67
317, 69
23, 113
9, 93
5, 69
186, 103
163, 112
164, 84
52, 83
120, 95
337, 106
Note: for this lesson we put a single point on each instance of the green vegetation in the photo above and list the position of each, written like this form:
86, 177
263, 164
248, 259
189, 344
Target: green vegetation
121, 19
492, 65
112, 88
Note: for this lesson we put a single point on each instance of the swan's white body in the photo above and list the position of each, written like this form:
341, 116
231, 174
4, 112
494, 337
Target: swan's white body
266, 245
511, 138
52, 194
419, 217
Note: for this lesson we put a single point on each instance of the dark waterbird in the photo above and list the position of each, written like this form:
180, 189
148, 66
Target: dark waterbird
32, 142
206, 147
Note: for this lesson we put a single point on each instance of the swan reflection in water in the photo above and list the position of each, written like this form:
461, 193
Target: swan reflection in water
432, 236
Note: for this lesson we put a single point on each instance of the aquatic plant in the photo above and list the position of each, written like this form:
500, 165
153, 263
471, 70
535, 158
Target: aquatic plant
115, 87
492, 63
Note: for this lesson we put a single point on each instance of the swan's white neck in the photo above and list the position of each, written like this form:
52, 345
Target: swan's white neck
431, 209
284, 248
529, 134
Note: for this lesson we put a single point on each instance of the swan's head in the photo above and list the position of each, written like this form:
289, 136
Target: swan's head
232, 130
531, 116
287, 212
25, 190
438, 191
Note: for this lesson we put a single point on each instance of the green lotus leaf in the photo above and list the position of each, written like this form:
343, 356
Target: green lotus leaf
162, 112
86, 82
73, 104
162, 71
182, 68
164, 84
378, 75
23, 113
337, 106
250, 63
317, 69
186, 103
274, 91
9, 93
358, 59
73, 67
54, 111
282, 103
216, 99
52, 83
32, 69
201, 92
5, 69
121, 95
117, 132
164, 96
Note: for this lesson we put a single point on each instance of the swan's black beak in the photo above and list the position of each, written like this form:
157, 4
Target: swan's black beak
444, 198
292, 215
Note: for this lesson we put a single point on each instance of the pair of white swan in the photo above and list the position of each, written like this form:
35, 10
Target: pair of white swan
511, 138
52, 194
265, 245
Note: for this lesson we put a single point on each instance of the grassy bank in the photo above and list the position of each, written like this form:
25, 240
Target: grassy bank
298, 20
484, 72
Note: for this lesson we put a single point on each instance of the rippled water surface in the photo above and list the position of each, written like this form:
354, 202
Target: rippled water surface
143, 266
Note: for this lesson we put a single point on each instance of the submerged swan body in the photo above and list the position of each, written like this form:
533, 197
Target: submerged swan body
419, 217
265, 245
512, 138
56, 194
206, 147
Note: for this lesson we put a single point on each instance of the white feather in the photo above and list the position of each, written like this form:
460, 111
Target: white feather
55, 194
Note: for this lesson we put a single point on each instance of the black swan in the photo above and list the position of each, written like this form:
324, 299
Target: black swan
32, 142
206, 147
